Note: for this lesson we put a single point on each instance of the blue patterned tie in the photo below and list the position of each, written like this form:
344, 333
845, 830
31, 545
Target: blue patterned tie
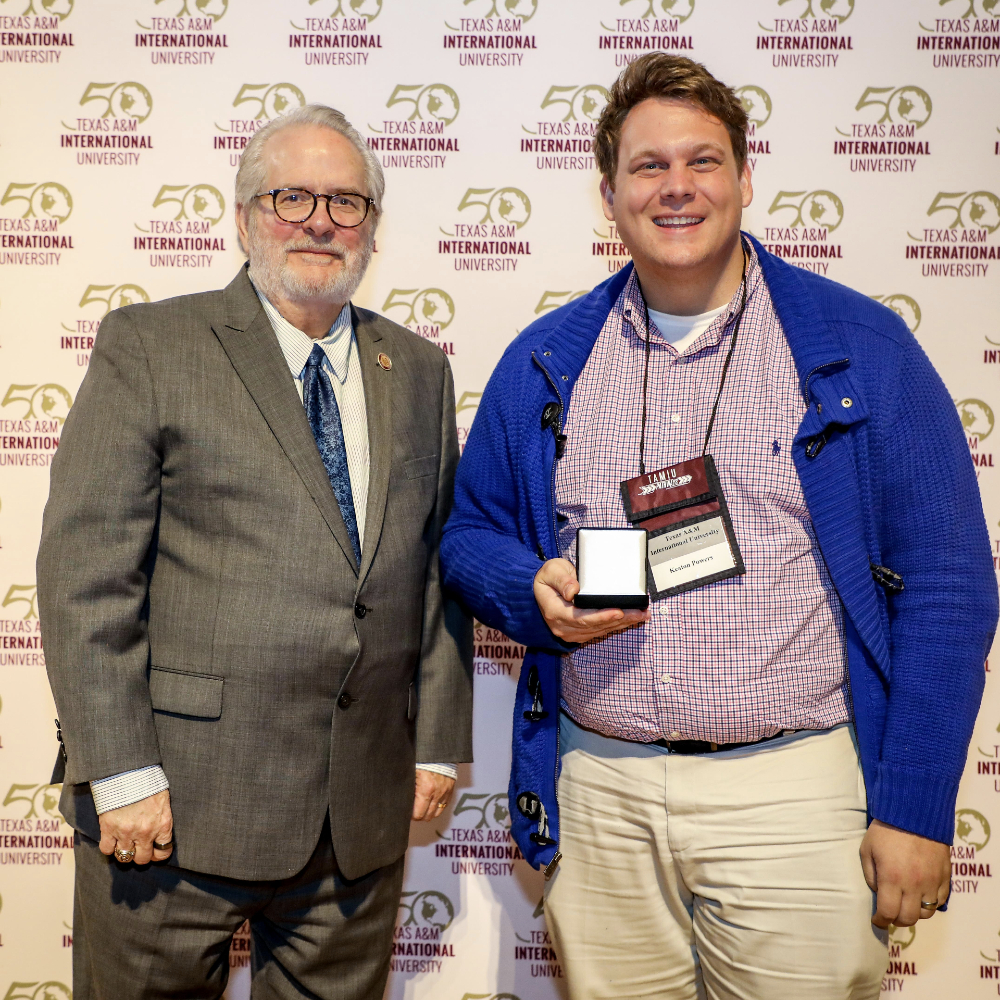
324, 419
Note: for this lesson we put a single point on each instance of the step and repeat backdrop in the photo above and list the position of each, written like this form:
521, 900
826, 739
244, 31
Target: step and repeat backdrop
875, 148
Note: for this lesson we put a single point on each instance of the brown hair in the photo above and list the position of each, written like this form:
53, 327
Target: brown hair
677, 78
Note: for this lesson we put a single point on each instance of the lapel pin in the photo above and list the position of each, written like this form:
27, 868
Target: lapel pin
385, 362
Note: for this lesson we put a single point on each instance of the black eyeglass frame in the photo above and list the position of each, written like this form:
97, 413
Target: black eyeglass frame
274, 192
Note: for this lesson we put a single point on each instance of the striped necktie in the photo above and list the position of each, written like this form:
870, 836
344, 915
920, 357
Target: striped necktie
324, 419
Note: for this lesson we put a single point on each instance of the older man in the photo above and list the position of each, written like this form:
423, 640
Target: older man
245, 630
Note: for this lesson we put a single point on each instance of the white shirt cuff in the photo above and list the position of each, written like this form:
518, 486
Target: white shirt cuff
448, 770
130, 786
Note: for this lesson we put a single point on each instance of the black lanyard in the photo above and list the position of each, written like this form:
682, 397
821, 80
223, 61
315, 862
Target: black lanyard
722, 381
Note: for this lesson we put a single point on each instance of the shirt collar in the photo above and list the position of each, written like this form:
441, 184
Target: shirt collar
631, 308
296, 346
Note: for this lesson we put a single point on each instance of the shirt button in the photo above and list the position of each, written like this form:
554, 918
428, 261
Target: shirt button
665, 678
675, 735
675, 418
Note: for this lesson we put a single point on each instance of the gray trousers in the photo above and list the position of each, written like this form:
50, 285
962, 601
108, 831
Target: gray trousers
162, 933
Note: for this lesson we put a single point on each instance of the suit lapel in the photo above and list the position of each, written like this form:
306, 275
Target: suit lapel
378, 404
253, 350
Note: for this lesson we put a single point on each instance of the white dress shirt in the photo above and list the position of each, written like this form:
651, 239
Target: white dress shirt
343, 368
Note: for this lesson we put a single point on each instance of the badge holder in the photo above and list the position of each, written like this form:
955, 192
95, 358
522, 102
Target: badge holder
611, 567
691, 541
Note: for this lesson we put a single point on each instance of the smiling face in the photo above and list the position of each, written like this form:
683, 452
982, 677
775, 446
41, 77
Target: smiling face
315, 261
678, 198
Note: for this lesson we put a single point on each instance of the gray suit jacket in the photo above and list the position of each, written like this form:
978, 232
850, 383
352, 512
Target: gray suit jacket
201, 604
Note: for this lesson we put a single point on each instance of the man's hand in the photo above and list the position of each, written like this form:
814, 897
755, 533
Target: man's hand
905, 871
138, 826
433, 792
555, 587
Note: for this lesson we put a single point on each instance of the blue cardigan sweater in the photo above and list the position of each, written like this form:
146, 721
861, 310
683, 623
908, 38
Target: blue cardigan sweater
888, 482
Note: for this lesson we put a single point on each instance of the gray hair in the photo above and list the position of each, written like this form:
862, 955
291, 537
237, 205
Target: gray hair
252, 173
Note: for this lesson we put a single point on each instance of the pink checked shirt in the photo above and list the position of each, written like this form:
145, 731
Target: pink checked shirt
743, 658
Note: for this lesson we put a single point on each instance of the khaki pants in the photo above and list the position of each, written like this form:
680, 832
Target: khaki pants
727, 875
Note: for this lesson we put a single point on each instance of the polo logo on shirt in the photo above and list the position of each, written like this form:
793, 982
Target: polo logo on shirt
664, 480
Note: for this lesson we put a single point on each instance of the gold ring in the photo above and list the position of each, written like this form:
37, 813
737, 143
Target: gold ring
928, 906
440, 806
124, 856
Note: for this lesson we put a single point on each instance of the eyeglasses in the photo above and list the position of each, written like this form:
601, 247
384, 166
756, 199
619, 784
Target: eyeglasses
297, 205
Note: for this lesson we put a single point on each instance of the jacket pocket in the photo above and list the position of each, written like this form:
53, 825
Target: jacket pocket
415, 468
183, 693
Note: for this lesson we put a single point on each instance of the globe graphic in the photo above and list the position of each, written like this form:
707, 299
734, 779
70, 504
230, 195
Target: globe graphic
511, 205
58, 8
990, 7
204, 202
756, 103
972, 828
438, 102
905, 307
903, 936
52, 200
51, 402
524, 9
366, 8
126, 295
282, 97
982, 209
839, 9
131, 100
911, 105
822, 208
588, 102
212, 8
433, 909
433, 305
681, 9
977, 417
52, 991
500, 814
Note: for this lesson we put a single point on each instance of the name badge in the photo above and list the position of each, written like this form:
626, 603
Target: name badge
691, 538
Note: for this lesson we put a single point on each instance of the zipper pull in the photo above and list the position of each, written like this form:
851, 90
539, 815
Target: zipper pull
550, 868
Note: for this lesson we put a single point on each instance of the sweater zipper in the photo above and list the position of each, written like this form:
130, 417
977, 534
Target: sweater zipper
818, 368
550, 868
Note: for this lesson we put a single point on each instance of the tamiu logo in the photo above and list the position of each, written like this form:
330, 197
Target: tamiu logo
110, 138
492, 32
903, 306
428, 312
495, 654
580, 108
972, 835
490, 243
189, 30
804, 242
650, 25
757, 104
21, 633
33, 236
962, 250
30, 436
965, 38
977, 419
266, 101
807, 34
553, 300
343, 33
41, 802
196, 209
429, 109
423, 917
887, 144
84, 329
58, 9
480, 842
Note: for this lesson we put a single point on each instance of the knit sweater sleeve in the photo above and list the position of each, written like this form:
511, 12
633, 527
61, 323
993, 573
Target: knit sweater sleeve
487, 554
941, 626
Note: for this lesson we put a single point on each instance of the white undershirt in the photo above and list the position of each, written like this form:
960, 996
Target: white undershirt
683, 331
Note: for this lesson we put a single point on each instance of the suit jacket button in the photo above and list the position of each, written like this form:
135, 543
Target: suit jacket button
360, 610
344, 701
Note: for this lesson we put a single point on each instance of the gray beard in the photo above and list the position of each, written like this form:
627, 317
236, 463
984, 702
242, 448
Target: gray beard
272, 275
